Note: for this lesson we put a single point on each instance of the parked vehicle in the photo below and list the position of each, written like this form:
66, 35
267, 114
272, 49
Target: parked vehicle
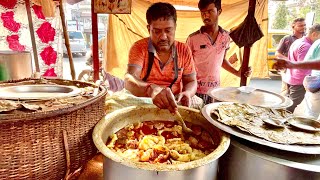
77, 43
274, 37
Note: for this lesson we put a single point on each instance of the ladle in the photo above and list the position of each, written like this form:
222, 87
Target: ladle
184, 127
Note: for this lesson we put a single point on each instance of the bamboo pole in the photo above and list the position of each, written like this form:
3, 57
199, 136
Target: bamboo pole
33, 40
66, 40
95, 50
246, 53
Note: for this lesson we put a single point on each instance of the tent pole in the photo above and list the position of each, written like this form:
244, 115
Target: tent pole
66, 40
33, 41
246, 53
95, 42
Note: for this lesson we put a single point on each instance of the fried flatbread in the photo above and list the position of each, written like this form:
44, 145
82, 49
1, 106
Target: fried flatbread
248, 118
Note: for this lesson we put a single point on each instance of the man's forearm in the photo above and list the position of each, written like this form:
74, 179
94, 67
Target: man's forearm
307, 65
190, 87
280, 55
227, 66
135, 86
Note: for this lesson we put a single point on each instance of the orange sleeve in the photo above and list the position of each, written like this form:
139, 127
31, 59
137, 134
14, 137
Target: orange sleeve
136, 54
187, 59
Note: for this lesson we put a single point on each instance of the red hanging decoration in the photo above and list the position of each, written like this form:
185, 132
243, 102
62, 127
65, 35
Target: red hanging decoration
50, 72
9, 22
46, 33
14, 43
9, 4
38, 11
49, 55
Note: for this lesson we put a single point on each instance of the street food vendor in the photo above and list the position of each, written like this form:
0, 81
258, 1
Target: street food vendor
160, 67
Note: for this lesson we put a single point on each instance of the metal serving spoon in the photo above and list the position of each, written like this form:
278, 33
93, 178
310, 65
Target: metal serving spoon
275, 122
184, 127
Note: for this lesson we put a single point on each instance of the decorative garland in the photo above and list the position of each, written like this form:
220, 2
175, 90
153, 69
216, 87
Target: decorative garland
15, 35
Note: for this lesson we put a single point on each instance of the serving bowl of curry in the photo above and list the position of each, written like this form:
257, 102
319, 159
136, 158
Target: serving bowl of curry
148, 142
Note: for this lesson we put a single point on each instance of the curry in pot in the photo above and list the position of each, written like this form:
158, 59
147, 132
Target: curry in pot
162, 142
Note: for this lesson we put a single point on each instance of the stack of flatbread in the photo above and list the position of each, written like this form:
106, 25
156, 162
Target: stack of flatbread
248, 118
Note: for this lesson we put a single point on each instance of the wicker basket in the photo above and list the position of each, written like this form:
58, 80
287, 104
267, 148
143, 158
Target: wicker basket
32, 145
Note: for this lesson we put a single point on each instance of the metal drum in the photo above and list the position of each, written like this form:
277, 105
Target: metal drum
246, 160
15, 65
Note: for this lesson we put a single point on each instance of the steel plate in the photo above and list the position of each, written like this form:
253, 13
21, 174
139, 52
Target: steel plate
305, 123
304, 149
258, 97
38, 92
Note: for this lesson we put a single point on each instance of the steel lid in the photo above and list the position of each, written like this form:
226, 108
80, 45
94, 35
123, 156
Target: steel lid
258, 97
38, 92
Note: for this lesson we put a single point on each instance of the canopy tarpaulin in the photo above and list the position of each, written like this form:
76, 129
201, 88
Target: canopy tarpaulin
125, 29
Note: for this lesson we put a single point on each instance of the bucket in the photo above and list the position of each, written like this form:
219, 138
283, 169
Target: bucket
15, 65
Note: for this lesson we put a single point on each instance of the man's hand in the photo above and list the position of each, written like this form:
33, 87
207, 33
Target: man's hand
282, 64
246, 74
162, 97
184, 98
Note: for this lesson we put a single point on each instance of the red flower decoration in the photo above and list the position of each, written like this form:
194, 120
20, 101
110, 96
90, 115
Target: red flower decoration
38, 11
49, 55
9, 4
8, 21
14, 43
46, 33
50, 72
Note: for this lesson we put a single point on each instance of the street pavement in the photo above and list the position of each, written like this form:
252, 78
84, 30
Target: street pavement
79, 63
272, 84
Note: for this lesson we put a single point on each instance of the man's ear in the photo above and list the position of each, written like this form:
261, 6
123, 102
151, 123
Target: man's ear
148, 26
220, 11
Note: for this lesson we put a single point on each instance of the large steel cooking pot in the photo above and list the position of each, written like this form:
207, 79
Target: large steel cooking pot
15, 65
246, 160
116, 167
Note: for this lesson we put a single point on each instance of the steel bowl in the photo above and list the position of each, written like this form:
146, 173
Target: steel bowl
116, 167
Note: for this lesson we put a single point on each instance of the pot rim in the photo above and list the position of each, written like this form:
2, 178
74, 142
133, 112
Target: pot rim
101, 146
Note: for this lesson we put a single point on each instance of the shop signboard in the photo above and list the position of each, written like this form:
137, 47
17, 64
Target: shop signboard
113, 6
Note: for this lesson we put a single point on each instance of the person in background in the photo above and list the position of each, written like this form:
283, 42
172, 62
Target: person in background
298, 28
113, 83
209, 46
294, 77
160, 67
310, 106
102, 52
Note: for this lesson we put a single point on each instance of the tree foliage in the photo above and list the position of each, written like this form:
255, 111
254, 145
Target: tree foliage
285, 14
310, 6
280, 21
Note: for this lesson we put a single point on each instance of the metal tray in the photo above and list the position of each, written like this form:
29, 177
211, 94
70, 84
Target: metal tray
307, 149
38, 92
258, 97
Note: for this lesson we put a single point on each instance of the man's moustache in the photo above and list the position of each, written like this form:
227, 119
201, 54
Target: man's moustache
161, 42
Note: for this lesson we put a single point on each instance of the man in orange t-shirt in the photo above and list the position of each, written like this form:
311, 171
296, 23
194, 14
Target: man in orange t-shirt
160, 67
